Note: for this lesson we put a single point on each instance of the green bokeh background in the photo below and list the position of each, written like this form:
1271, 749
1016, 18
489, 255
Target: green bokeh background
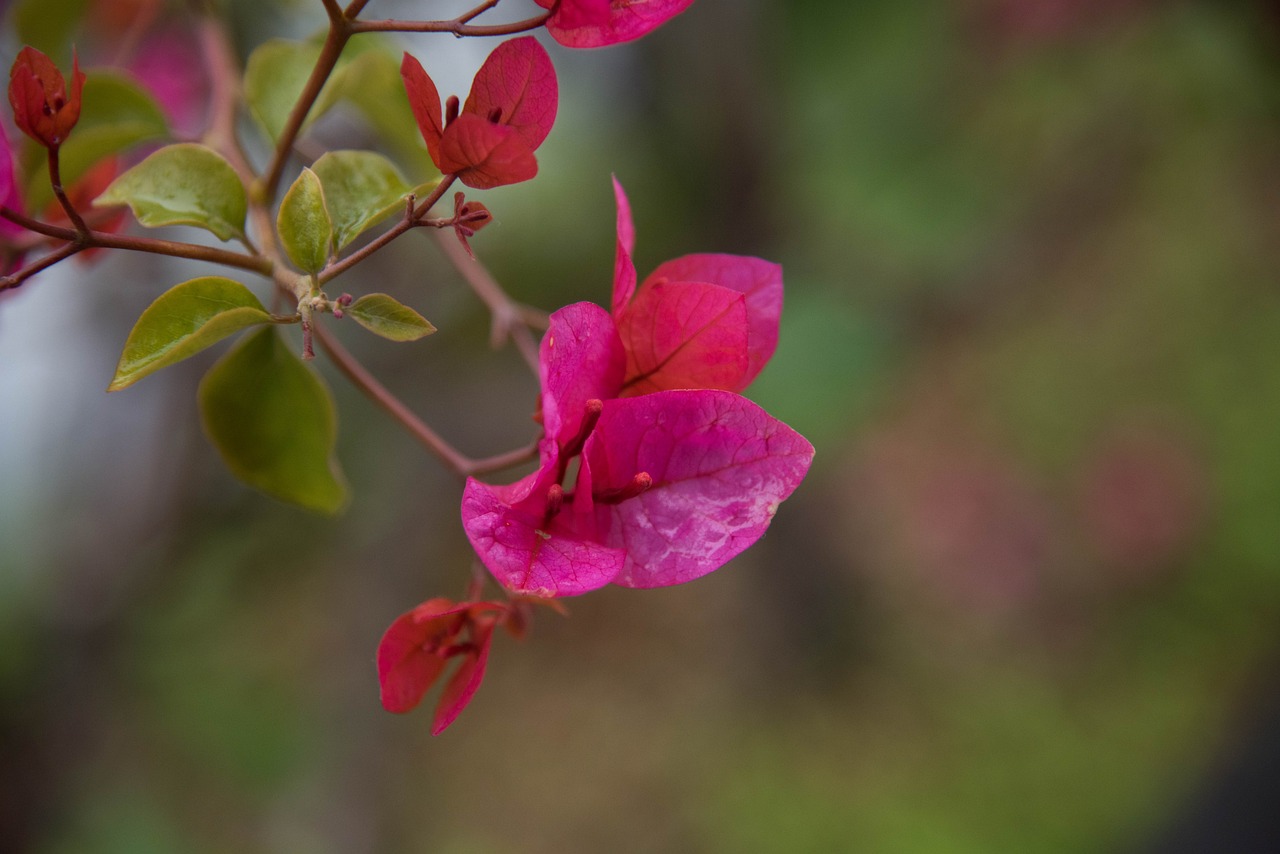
1026, 600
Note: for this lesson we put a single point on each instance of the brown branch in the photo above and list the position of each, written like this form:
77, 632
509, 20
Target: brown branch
458, 26
55, 179
15, 279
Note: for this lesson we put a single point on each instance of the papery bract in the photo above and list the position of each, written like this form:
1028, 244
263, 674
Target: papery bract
599, 23
508, 114
9, 195
43, 108
418, 645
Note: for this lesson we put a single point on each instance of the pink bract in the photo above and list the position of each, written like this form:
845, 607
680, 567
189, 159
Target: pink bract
599, 23
509, 112
9, 195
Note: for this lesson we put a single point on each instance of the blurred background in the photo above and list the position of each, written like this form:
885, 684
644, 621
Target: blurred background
1026, 600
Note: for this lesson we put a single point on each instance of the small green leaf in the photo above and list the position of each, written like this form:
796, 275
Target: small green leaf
48, 25
183, 184
272, 419
275, 76
117, 114
375, 69
361, 189
304, 225
383, 315
183, 321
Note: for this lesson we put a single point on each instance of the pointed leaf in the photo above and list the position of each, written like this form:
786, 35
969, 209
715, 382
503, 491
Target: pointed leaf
518, 83
274, 77
760, 281
463, 684
385, 316
485, 155
306, 231
624, 270
424, 101
272, 420
116, 114
685, 335
183, 184
361, 189
184, 320
720, 467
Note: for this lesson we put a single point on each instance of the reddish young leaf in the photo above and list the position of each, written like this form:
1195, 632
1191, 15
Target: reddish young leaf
424, 100
407, 666
719, 466
583, 23
42, 107
484, 154
685, 335
516, 86
760, 281
624, 270
462, 686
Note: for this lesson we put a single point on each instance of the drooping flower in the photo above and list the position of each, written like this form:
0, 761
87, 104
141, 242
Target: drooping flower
676, 472
42, 106
507, 115
599, 23
418, 646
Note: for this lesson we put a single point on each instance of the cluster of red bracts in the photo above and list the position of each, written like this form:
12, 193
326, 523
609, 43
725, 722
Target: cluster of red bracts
42, 107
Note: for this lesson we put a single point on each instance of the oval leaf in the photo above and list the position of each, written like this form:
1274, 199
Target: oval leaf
275, 76
361, 189
186, 319
116, 115
304, 225
272, 419
384, 316
183, 184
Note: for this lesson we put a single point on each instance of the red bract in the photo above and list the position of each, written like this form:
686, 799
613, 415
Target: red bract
508, 114
419, 644
670, 484
599, 23
42, 107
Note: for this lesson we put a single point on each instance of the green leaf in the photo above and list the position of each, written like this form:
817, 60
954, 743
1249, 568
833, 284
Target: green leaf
117, 114
272, 419
275, 76
304, 225
361, 189
47, 25
184, 320
183, 184
383, 315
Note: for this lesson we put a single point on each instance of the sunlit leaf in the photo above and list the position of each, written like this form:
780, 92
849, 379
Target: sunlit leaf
272, 419
361, 189
384, 316
184, 184
116, 113
306, 231
184, 320
275, 76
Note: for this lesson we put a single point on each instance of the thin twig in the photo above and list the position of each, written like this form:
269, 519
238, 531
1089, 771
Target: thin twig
508, 317
15, 279
55, 178
458, 26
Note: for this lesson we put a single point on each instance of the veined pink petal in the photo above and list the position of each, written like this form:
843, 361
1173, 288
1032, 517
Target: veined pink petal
760, 281
485, 155
581, 358
624, 270
424, 100
518, 83
720, 467
529, 555
685, 335
463, 684
573, 24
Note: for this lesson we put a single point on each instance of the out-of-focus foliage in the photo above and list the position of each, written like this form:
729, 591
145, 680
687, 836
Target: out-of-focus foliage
1027, 599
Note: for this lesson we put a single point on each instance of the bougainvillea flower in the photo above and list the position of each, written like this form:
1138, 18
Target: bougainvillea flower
700, 321
670, 485
508, 114
42, 107
418, 646
599, 23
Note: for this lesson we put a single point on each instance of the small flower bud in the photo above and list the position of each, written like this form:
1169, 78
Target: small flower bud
42, 107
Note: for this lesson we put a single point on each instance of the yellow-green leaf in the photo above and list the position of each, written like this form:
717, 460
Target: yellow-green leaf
183, 184
306, 231
383, 315
184, 320
361, 189
272, 419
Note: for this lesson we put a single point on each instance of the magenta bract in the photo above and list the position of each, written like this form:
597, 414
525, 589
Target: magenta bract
9, 195
508, 114
599, 23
